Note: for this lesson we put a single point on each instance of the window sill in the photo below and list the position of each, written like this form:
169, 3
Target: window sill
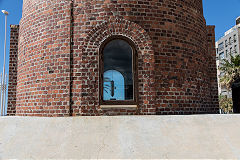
118, 106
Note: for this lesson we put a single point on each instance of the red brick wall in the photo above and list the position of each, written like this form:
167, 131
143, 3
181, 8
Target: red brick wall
212, 67
13, 61
59, 56
44, 59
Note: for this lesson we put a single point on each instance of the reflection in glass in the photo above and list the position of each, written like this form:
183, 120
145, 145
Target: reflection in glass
113, 85
118, 75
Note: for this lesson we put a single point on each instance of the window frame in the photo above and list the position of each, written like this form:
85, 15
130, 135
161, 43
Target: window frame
134, 72
235, 38
221, 56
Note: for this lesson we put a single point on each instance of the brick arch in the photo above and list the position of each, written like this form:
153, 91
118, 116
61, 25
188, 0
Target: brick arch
145, 61
121, 27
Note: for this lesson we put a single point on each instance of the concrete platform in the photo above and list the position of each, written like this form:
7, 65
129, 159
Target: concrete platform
198, 136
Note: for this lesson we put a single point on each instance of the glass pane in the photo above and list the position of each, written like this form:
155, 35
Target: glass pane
118, 75
113, 85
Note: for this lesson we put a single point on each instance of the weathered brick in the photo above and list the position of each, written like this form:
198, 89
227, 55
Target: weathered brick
13, 62
58, 56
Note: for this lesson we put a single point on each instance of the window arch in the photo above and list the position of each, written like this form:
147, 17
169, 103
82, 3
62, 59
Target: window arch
118, 72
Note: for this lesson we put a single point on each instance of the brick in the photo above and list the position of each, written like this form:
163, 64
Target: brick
58, 55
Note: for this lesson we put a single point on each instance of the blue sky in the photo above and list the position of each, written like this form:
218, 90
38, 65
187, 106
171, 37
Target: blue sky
221, 13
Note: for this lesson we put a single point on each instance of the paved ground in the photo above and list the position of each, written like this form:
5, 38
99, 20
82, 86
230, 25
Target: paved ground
199, 136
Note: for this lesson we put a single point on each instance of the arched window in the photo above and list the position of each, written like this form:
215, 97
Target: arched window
118, 69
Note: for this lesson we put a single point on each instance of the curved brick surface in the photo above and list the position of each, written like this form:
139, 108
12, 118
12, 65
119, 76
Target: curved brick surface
59, 55
43, 58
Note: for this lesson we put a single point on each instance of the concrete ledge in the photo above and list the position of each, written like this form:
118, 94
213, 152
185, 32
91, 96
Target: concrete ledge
200, 136
118, 106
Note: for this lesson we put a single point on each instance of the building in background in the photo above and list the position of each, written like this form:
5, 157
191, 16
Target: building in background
226, 46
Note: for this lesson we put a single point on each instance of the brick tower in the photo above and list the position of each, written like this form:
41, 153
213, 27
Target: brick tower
160, 55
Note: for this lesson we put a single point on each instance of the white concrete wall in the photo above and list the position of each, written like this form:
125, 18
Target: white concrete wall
198, 136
